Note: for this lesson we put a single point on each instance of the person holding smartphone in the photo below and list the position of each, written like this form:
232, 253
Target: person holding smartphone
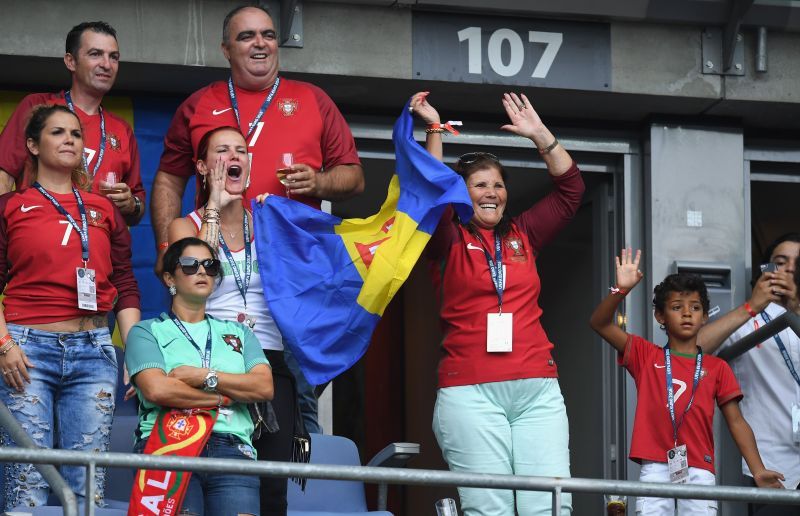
770, 378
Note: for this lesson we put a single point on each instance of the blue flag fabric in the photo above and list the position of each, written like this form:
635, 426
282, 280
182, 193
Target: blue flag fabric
328, 280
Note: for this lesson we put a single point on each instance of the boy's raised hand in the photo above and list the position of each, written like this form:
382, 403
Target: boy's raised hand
628, 273
769, 478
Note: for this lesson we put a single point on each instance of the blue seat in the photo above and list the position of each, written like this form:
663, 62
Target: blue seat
340, 497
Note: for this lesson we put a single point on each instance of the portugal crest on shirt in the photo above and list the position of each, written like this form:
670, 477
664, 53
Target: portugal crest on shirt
94, 217
516, 247
113, 142
288, 106
234, 342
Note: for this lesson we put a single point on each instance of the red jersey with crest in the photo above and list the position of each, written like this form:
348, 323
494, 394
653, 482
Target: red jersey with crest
301, 119
121, 151
652, 426
40, 250
464, 285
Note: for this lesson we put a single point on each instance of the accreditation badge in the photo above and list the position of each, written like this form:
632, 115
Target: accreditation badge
87, 289
678, 464
499, 331
795, 423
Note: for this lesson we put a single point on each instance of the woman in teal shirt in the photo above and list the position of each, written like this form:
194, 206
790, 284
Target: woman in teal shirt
187, 359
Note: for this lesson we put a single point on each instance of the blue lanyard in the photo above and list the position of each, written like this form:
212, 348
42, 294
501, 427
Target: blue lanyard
698, 365
206, 358
101, 152
82, 230
782, 348
495, 266
248, 266
264, 106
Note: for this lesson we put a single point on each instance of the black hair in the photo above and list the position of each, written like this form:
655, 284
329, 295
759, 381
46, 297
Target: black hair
73, 43
175, 250
787, 237
33, 130
226, 33
483, 161
680, 282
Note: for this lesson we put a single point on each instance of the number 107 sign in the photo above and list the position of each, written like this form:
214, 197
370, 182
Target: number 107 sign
512, 51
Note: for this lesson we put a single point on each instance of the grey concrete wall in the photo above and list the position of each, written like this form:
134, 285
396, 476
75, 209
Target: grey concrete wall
348, 39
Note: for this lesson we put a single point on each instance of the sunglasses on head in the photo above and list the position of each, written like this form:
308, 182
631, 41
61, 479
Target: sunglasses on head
191, 265
471, 157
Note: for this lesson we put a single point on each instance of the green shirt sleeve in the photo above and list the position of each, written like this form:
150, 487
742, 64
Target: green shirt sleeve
251, 349
142, 351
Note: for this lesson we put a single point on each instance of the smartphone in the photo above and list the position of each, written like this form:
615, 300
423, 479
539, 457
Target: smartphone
769, 267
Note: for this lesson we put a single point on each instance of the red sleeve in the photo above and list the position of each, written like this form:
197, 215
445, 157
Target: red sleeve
122, 274
133, 177
727, 386
4, 240
443, 237
13, 151
177, 156
636, 350
546, 218
337, 144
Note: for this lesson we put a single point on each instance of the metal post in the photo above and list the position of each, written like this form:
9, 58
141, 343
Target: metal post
557, 501
91, 474
57, 483
761, 50
383, 496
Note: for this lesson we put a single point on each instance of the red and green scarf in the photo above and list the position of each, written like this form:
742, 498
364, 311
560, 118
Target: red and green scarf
181, 433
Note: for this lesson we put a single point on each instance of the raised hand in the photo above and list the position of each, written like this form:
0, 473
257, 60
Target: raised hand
628, 273
422, 108
218, 197
524, 119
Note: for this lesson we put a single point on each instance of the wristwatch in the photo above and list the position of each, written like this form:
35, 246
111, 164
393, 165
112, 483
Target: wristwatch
137, 206
211, 381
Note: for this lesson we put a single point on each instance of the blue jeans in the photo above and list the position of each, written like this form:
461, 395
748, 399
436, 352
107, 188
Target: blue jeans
217, 494
68, 405
514, 427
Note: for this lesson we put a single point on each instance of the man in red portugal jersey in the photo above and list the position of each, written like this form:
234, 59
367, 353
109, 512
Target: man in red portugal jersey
111, 155
277, 116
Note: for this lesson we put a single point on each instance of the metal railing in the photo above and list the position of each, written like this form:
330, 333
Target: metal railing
46, 459
556, 486
748, 342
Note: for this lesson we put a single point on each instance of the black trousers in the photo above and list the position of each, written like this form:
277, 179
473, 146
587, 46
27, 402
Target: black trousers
278, 446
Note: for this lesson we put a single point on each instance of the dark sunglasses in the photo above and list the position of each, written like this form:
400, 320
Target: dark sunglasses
191, 265
471, 157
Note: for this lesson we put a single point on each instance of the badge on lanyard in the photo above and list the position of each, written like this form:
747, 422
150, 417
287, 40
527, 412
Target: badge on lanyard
795, 423
87, 289
84, 277
499, 330
677, 459
678, 464
499, 326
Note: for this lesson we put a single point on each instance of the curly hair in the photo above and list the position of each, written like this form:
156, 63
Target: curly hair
680, 282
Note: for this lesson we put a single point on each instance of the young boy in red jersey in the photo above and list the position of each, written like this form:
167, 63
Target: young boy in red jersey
673, 428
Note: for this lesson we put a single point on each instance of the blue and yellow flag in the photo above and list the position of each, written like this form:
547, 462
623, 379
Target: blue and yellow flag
328, 280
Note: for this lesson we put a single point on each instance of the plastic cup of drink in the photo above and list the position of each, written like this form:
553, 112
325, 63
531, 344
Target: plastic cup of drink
446, 507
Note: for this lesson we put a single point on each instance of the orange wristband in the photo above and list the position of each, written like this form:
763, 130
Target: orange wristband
621, 291
163, 245
5, 339
749, 309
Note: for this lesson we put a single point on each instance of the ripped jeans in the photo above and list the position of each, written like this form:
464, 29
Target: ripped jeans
69, 405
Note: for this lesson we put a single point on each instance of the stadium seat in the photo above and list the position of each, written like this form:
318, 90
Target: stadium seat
349, 496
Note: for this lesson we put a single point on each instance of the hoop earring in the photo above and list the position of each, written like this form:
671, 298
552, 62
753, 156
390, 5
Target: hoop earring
662, 327
172, 290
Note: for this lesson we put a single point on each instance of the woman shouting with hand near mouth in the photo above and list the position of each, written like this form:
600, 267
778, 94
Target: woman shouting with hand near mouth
499, 407
227, 226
